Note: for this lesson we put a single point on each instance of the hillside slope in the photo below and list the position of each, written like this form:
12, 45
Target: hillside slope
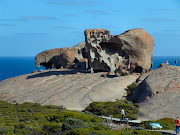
159, 94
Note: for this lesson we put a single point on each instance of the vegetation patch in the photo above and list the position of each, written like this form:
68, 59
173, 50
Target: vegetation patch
114, 108
108, 132
166, 123
32, 119
130, 88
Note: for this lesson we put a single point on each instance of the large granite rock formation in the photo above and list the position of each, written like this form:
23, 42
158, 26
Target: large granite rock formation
61, 57
123, 54
62, 87
130, 51
159, 94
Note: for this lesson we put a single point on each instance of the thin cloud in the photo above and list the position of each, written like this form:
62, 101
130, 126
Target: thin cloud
7, 25
72, 2
31, 34
156, 20
63, 2
70, 15
6, 19
63, 27
88, 2
160, 9
167, 35
32, 18
173, 30
96, 12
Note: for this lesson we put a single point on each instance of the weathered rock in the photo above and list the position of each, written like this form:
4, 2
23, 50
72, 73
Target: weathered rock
162, 65
34, 71
66, 57
159, 94
41, 70
123, 54
126, 53
137, 46
101, 54
62, 87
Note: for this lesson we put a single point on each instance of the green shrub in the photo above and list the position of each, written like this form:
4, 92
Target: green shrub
6, 131
61, 116
78, 132
166, 123
141, 132
108, 132
114, 108
130, 88
97, 126
23, 131
72, 123
51, 128
19, 126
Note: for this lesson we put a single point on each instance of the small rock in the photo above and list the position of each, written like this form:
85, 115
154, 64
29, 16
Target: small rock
34, 71
162, 65
41, 70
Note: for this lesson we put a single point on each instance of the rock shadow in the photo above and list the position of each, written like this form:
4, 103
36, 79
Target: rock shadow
50, 73
111, 76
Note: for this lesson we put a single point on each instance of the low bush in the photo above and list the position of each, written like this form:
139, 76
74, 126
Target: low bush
72, 123
114, 108
166, 123
108, 132
63, 115
78, 132
30, 118
130, 88
50, 128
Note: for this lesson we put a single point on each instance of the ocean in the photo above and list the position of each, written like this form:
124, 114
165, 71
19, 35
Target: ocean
15, 66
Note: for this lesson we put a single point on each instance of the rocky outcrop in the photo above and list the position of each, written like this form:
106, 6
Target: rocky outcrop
62, 87
123, 54
61, 57
162, 65
98, 57
126, 53
138, 47
159, 94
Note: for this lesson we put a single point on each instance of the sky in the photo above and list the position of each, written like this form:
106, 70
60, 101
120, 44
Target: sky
28, 27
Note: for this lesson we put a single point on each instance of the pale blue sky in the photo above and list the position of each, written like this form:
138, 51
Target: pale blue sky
28, 27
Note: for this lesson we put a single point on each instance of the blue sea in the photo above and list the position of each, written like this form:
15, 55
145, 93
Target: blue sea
15, 66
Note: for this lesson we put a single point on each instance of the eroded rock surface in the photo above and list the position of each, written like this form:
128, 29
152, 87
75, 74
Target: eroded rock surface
123, 54
62, 87
126, 53
159, 94
61, 57
162, 65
